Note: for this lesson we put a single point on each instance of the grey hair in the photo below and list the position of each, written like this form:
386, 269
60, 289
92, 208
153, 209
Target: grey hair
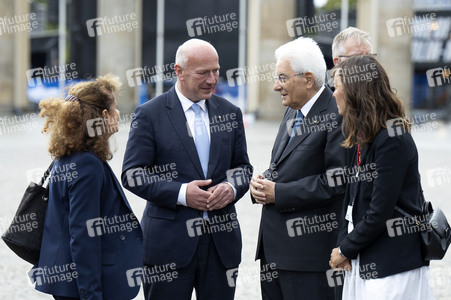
304, 55
349, 33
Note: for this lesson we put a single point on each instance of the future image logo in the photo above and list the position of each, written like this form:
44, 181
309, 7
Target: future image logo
236, 77
209, 25
396, 127
408, 25
250, 74
311, 224
47, 75
232, 276
438, 76
335, 277
238, 176
115, 24
215, 223
311, 25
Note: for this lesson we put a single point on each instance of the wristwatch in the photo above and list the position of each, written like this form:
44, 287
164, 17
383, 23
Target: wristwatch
339, 251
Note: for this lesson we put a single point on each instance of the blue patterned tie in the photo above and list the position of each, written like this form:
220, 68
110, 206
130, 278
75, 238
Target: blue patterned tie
296, 124
202, 142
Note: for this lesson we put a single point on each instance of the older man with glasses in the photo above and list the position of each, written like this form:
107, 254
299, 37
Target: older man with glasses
350, 42
301, 202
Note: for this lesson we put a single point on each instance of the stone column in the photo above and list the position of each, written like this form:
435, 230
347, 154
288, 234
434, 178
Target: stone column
119, 50
392, 44
267, 30
15, 58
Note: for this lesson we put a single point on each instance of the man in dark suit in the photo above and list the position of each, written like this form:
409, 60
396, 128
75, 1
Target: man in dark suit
187, 157
301, 209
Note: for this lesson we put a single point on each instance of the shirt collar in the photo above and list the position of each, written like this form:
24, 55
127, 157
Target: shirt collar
307, 106
186, 103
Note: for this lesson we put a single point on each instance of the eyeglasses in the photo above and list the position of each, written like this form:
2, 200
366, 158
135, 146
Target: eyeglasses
348, 56
282, 79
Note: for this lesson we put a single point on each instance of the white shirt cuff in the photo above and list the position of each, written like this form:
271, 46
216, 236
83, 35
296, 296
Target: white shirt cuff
181, 199
234, 189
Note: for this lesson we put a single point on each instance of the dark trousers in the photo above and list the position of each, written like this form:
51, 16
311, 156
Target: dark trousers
296, 285
205, 274
64, 298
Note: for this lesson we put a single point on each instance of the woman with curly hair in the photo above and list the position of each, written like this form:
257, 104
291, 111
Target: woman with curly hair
91, 236
383, 260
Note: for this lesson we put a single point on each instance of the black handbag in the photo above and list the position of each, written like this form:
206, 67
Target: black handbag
24, 235
435, 233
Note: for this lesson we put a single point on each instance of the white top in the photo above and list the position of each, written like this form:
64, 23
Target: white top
409, 285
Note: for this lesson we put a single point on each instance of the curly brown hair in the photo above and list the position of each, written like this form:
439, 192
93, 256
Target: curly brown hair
68, 121
369, 100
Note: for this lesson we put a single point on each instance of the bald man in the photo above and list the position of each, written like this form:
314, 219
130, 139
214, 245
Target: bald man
187, 158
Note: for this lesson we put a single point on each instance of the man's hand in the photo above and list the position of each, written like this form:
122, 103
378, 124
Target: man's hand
196, 197
262, 190
222, 195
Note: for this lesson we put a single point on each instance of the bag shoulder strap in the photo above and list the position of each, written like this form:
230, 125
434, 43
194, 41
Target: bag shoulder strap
405, 213
46, 174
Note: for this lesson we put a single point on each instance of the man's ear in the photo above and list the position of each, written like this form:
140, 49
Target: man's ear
310, 78
179, 72
336, 61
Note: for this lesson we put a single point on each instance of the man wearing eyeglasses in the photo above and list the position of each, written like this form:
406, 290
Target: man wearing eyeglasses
301, 202
191, 172
350, 42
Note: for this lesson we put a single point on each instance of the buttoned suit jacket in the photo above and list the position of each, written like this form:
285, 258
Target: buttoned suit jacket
289, 235
160, 136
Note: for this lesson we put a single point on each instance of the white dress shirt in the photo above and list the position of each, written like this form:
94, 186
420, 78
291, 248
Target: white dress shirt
307, 106
189, 114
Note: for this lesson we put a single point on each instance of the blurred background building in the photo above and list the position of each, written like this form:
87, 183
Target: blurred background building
47, 45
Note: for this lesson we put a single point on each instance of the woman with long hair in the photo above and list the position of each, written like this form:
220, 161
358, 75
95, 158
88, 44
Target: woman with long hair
91, 237
380, 250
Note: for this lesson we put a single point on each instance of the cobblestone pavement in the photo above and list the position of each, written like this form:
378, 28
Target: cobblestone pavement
23, 150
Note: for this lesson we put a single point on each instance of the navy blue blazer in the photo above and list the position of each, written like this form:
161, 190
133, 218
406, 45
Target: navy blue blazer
89, 229
390, 164
160, 143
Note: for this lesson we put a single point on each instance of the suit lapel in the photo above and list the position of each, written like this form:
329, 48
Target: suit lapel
118, 187
177, 117
283, 135
312, 119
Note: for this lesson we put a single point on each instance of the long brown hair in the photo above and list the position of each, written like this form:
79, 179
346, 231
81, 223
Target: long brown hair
68, 121
369, 100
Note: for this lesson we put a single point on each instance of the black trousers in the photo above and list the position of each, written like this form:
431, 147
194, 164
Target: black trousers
205, 274
296, 285
64, 298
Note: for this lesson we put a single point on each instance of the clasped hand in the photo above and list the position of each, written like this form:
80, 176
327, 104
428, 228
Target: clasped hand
262, 190
338, 261
215, 197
